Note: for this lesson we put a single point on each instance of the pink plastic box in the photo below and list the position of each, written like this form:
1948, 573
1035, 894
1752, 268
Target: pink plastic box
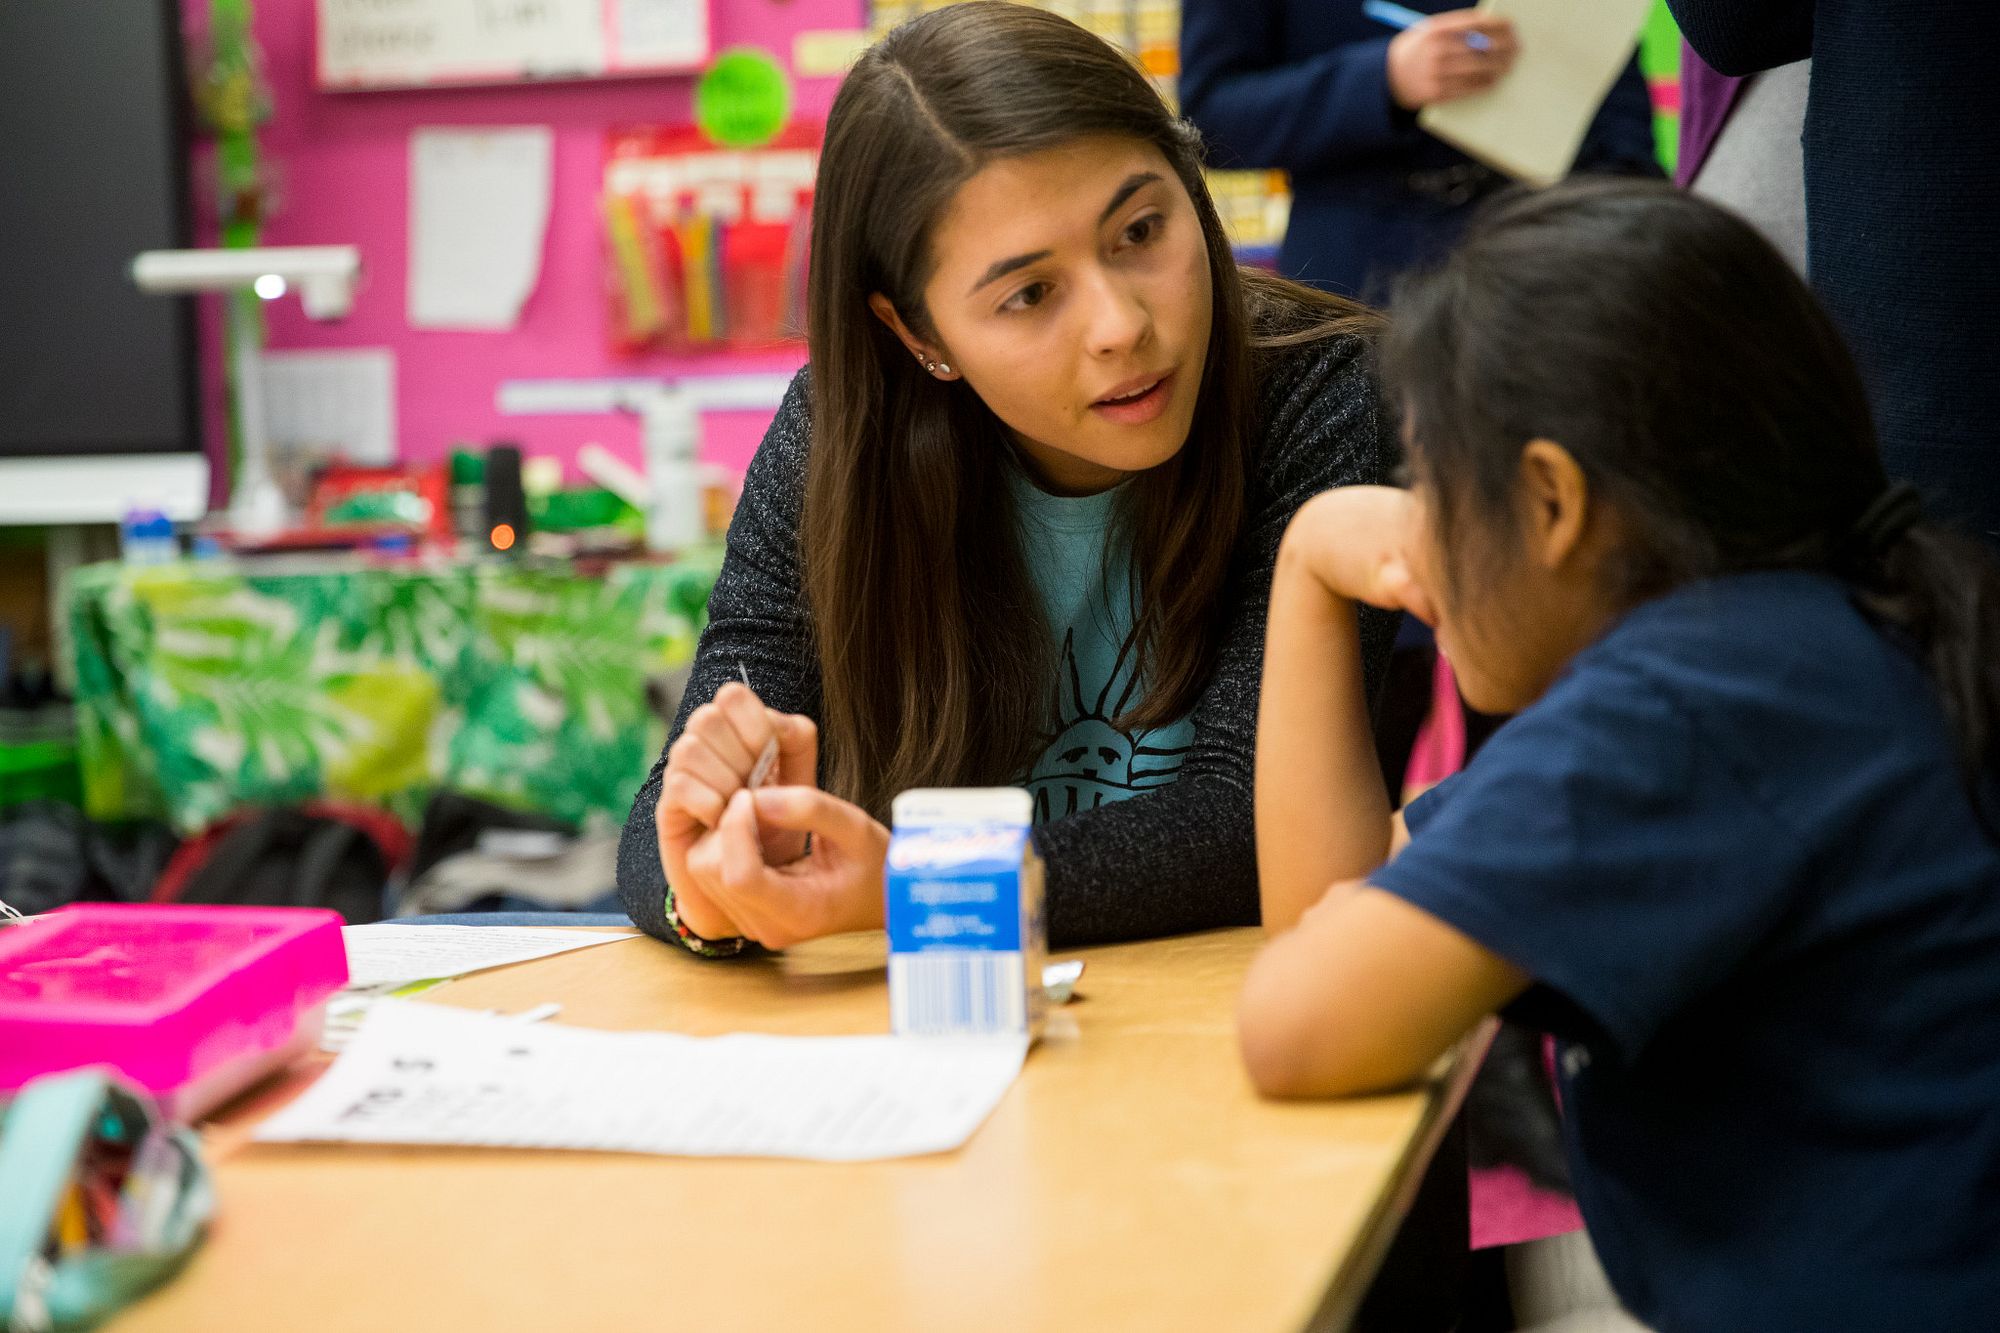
194, 1004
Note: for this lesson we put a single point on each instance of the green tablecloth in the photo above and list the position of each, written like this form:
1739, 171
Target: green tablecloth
201, 687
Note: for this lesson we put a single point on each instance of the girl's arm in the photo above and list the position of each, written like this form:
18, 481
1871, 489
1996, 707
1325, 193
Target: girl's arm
1359, 990
1322, 813
1364, 995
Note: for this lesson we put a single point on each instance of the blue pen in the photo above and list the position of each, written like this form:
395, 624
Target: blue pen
1399, 16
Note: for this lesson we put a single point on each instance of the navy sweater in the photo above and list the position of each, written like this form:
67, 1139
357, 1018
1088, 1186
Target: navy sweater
1902, 159
1302, 85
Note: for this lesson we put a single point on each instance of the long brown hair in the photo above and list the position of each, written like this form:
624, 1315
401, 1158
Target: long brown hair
936, 665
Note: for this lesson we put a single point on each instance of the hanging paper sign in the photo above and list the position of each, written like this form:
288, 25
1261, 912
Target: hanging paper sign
424, 43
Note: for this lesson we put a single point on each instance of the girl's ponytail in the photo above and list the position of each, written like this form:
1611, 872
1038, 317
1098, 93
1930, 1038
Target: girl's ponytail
1940, 591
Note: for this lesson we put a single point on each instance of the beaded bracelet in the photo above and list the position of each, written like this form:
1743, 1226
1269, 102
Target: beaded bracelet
694, 943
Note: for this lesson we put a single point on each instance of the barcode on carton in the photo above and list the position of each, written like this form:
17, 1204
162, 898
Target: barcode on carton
951, 991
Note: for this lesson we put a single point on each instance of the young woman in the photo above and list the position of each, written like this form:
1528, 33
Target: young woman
1737, 851
1016, 522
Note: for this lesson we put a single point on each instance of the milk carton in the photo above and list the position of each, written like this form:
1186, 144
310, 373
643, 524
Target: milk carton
965, 913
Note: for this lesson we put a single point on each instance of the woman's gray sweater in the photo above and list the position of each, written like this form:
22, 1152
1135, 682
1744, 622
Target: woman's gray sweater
1178, 859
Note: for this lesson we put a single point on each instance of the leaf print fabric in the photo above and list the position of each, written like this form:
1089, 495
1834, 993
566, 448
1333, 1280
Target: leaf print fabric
204, 687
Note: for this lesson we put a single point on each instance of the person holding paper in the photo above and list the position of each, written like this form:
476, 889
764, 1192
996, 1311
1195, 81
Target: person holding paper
1015, 525
1323, 91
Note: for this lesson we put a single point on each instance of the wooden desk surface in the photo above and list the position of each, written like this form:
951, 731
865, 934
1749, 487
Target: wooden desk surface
1130, 1179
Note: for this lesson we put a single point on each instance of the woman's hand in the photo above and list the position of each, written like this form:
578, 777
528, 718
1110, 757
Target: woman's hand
708, 764
1360, 543
834, 887
1449, 56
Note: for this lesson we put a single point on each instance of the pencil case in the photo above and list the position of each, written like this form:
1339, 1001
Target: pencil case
101, 1200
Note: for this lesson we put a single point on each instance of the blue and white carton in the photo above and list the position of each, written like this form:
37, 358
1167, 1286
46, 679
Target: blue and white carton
966, 930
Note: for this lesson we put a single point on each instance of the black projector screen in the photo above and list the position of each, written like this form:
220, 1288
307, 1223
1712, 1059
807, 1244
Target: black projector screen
93, 169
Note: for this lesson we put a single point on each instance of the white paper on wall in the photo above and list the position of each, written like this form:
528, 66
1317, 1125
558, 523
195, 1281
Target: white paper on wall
339, 401
479, 214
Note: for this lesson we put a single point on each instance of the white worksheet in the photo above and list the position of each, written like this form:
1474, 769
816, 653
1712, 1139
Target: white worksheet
427, 1074
388, 954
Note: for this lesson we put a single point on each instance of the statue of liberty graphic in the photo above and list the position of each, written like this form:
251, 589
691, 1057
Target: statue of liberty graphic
1086, 760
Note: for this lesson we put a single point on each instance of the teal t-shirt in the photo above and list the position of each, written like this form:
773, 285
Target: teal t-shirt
1088, 761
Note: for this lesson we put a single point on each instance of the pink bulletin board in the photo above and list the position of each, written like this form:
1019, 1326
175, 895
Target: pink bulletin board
342, 167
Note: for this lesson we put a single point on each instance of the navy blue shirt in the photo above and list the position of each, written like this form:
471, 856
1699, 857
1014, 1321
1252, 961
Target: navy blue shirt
1732, 848
1303, 86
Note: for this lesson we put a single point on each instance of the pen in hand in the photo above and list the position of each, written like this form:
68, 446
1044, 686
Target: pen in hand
1401, 16
767, 758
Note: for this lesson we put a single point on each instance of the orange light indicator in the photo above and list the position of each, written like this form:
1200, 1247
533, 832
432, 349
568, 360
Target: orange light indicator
503, 536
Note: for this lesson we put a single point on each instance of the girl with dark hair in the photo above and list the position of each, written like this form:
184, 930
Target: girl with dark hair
1016, 523
1737, 849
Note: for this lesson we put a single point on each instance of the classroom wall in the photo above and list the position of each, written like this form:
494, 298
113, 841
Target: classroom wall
341, 161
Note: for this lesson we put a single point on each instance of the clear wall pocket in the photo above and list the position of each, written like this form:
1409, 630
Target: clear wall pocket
705, 247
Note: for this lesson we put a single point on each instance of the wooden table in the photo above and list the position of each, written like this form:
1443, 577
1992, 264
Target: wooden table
1130, 1180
